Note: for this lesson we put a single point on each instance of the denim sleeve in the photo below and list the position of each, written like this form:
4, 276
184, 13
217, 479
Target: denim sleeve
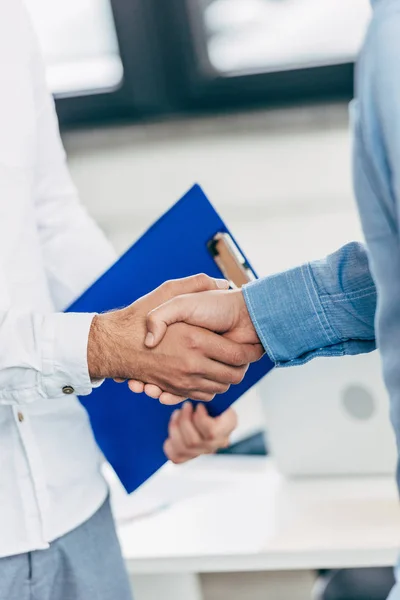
323, 308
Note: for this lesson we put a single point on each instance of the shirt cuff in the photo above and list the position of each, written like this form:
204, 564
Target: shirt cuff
65, 367
288, 315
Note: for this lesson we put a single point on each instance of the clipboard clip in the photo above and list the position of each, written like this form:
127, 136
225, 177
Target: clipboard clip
230, 260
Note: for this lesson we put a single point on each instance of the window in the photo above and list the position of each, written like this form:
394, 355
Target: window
79, 43
270, 51
113, 59
246, 36
102, 57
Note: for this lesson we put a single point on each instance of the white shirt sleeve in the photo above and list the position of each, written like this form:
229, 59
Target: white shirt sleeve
75, 250
45, 355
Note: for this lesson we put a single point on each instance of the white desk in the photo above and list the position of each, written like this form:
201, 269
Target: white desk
243, 516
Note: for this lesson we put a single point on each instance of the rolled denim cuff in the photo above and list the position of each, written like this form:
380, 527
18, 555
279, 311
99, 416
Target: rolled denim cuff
289, 318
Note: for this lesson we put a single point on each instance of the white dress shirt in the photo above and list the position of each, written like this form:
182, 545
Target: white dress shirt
50, 251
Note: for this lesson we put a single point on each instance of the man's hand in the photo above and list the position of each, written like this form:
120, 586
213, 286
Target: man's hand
222, 311
193, 432
189, 362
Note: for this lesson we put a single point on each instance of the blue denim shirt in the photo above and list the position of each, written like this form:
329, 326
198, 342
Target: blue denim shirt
323, 308
329, 307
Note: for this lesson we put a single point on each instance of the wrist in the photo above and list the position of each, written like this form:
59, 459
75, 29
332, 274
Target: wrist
104, 348
245, 317
95, 349
116, 344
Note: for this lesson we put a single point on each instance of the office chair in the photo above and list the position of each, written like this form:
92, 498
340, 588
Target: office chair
354, 584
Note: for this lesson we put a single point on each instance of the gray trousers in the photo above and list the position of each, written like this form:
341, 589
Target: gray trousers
85, 564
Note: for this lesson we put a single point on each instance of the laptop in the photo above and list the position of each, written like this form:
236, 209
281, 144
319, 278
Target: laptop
329, 417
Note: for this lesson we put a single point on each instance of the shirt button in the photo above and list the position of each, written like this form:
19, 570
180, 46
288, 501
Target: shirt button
20, 417
68, 389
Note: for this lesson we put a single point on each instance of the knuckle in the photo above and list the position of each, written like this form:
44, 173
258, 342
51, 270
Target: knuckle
210, 432
238, 357
192, 340
235, 419
200, 281
171, 453
187, 375
168, 449
183, 386
191, 444
151, 318
169, 399
176, 459
196, 395
238, 376
168, 285
189, 370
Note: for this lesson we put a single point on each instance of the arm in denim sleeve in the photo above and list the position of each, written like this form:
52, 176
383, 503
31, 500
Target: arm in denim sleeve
323, 308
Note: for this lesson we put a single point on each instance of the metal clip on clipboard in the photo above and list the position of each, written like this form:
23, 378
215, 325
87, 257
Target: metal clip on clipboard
230, 260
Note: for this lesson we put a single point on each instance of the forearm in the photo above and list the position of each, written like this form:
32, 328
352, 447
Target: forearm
323, 308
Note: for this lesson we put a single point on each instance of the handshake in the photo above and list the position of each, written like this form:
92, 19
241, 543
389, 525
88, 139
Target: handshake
189, 338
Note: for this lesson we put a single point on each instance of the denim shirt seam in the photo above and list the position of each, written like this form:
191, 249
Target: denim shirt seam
306, 272
346, 297
319, 353
257, 325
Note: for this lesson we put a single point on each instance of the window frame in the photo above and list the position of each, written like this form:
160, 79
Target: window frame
143, 88
163, 73
211, 89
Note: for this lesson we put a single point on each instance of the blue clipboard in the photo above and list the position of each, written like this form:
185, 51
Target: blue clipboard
131, 429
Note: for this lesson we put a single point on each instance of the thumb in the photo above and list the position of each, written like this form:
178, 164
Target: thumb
226, 423
176, 310
171, 311
194, 284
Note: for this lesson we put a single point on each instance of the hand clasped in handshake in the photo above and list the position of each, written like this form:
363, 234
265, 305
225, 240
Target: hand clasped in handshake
189, 338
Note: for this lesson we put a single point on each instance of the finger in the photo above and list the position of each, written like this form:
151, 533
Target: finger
137, 387
217, 428
205, 424
175, 436
153, 391
224, 444
176, 310
190, 435
173, 422
119, 380
203, 387
207, 386
198, 395
231, 353
214, 379
171, 399
192, 285
220, 376
176, 447
226, 424
176, 456
225, 374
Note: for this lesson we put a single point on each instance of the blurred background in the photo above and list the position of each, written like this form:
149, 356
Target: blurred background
249, 98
